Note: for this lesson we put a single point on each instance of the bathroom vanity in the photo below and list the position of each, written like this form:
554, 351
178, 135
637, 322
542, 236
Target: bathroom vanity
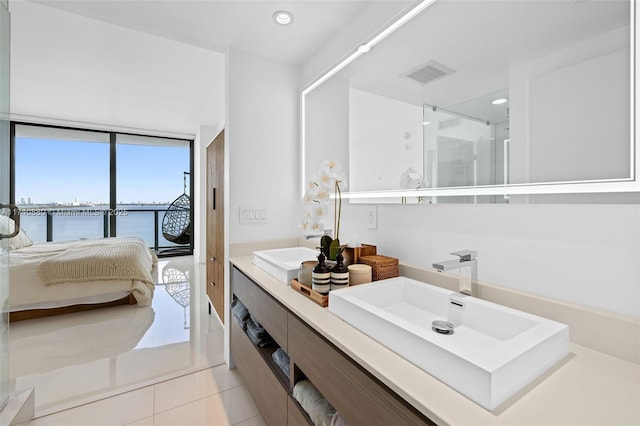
357, 395
370, 384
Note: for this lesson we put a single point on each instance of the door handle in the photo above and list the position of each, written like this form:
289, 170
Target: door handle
14, 214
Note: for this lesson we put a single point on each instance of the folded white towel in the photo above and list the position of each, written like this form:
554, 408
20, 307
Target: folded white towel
312, 401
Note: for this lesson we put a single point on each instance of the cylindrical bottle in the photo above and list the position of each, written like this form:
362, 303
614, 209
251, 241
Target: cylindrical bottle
304, 273
339, 274
321, 276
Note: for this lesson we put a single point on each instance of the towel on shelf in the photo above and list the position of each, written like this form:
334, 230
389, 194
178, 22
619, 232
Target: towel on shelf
312, 401
257, 333
253, 323
338, 420
282, 360
240, 313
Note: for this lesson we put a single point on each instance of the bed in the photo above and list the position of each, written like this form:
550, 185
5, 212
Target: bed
61, 277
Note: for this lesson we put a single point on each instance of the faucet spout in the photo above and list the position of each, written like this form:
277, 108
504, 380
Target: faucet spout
447, 265
466, 259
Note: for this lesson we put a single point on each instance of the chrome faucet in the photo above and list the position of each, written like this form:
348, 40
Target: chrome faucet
466, 258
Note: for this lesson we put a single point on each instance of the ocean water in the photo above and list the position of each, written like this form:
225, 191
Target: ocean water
73, 223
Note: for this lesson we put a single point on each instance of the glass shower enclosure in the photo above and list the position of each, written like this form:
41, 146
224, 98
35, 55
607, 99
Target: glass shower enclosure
461, 150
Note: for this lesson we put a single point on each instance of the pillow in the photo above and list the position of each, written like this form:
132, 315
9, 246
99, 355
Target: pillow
7, 225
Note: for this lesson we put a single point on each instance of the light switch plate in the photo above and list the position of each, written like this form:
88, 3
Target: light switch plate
252, 215
372, 217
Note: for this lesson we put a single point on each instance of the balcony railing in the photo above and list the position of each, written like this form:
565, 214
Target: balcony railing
71, 223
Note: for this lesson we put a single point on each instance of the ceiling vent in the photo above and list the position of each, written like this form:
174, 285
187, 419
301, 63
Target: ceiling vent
428, 72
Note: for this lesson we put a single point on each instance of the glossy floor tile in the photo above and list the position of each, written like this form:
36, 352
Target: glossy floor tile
215, 396
79, 358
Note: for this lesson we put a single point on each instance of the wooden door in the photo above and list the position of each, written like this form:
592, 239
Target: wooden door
215, 224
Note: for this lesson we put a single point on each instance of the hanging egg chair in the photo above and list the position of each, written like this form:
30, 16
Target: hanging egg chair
176, 224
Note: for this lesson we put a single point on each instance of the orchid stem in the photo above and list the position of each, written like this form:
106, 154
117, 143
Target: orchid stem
339, 210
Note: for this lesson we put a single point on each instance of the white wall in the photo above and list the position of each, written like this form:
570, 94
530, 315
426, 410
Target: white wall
262, 140
586, 254
262, 155
69, 67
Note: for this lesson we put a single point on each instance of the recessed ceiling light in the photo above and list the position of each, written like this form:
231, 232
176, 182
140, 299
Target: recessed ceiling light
499, 101
283, 17
363, 48
426, 123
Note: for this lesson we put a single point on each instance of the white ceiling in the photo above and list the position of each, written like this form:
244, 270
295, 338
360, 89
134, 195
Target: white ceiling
216, 24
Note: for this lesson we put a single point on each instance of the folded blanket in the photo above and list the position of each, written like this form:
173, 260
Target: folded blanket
312, 401
282, 360
102, 259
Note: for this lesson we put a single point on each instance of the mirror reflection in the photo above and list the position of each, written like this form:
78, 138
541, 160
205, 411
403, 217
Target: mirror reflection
475, 93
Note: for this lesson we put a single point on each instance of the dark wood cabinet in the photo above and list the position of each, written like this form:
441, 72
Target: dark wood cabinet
359, 397
355, 394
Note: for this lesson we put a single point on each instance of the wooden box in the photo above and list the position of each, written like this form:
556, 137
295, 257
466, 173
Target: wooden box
381, 266
352, 254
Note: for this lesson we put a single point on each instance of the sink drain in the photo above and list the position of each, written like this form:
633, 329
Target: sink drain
442, 327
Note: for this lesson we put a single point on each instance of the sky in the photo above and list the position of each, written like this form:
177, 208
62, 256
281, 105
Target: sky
51, 171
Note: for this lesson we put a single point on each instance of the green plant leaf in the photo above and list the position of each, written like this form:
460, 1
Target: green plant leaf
325, 243
334, 249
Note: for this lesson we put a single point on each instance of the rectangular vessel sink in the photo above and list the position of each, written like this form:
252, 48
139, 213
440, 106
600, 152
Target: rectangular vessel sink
284, 263
493, 353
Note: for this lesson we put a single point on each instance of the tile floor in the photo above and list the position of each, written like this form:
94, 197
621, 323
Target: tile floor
126, 365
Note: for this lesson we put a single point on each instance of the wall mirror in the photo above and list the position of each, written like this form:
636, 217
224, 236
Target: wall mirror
480, 100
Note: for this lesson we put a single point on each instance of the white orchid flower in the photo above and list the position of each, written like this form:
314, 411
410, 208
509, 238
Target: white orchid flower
328, 180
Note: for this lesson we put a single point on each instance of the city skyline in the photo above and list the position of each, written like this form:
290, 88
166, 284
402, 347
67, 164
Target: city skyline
22, 201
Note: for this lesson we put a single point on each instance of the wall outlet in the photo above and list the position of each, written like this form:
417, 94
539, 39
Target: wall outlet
372, 217
252, 215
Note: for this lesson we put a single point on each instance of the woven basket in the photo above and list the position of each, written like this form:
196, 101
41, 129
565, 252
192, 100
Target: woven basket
382, 267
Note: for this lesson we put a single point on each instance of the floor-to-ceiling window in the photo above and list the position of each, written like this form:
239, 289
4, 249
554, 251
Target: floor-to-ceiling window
152, 173
61, 182
78, 183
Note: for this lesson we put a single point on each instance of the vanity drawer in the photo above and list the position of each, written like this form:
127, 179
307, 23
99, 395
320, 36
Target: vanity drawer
357, 395
269, 313
270, 395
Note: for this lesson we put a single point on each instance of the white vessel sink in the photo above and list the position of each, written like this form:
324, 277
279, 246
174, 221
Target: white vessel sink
493, 353
284, 263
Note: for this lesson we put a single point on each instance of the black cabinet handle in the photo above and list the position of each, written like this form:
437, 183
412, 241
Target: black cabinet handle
214, 198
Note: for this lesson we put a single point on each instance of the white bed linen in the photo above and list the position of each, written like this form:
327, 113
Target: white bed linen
26, 291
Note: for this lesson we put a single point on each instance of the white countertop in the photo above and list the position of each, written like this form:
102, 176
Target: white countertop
589, 387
